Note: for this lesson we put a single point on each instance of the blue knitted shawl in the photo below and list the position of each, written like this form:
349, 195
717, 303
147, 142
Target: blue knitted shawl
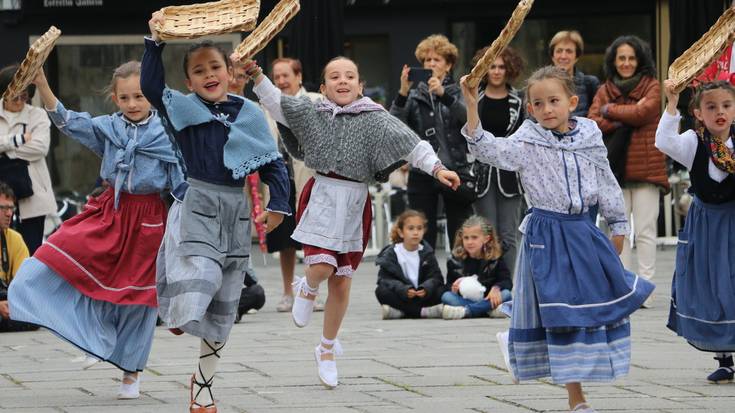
249, 145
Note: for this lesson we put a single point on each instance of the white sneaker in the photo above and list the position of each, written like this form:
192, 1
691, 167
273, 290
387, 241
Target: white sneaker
502, 338
302, 307
285, 304
327, 369
450, 312
583, 408
648, 303
89, 361
390, 313
497, 312
435, 311
129, 391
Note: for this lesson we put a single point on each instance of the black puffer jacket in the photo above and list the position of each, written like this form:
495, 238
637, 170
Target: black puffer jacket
391, 274
436, 119
494, 272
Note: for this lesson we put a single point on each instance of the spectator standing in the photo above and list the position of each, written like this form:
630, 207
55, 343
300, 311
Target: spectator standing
25, 134
627, 107
501, 113
565, 49
435, 110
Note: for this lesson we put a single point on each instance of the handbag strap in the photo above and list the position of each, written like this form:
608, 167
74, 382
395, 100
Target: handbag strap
5, 255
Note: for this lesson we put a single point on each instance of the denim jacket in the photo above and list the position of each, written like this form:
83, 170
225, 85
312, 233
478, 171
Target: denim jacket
137, 158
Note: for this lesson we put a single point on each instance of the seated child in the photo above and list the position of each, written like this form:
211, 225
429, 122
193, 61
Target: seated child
410, 282
477, 252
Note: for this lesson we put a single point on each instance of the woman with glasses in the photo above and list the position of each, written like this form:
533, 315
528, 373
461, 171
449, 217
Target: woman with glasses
25, 134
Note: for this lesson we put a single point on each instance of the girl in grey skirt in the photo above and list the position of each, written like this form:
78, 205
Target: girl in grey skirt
204, 255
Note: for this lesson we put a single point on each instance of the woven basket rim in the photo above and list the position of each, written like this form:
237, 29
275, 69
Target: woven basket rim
500, 43
35, 58
223, 16
704, 51
267, 30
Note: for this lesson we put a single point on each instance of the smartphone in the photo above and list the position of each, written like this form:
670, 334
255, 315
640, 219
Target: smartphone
419, 74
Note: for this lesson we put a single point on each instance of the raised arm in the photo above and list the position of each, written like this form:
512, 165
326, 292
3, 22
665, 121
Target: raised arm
152, 73
268, 94
680, 147
77, 125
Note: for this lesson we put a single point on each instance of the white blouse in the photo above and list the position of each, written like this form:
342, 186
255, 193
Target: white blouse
557, 174
683, 147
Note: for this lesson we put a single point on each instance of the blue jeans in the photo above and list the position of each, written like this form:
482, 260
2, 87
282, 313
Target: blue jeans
473, 308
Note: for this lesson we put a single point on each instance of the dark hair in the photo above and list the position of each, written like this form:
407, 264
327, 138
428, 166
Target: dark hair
401, 221
642, 55
6, 190
294, 63
334, 59
701, 90
6, 76
205, 44
513, 62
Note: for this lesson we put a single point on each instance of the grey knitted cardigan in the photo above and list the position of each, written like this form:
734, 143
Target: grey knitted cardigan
364, 147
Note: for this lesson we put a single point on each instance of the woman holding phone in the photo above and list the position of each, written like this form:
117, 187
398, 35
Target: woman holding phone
435, 110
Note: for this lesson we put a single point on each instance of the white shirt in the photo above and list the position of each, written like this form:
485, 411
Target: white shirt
409, 262
683, 147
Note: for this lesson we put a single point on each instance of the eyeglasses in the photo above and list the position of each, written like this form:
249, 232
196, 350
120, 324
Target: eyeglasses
10, 208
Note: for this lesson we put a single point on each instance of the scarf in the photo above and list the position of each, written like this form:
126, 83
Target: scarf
152, 142
627, 85
720, 154
249, 145
364, 104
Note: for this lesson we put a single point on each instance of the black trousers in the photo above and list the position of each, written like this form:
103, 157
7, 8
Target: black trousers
410, 306
423, 195
7, 326
252, 297
32, 231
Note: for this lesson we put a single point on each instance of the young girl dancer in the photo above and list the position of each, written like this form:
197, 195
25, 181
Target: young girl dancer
572, 297
97, 271
350, 141
703, 291
410, 282
477, 251
204, 255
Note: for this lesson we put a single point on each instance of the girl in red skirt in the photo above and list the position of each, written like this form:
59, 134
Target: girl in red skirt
93, 281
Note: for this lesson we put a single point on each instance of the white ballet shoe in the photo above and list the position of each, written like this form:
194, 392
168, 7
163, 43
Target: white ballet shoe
502, 337
129, 391
327, 369
302, 307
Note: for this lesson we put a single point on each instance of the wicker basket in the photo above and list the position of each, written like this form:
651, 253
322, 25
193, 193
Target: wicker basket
704, 51
276, 20
218, 17
499, 44
34, 60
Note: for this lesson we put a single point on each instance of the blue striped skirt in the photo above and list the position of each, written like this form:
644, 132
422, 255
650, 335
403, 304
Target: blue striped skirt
119, 334
571, 302
703, 290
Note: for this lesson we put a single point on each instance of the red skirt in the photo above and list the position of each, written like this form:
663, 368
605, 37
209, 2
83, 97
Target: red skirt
109, 254
344, 263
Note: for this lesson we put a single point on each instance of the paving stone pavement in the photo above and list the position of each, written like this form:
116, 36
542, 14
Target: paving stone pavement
388, 366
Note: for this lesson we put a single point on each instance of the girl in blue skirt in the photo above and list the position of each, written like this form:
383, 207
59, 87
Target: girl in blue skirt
571, 296
703, 291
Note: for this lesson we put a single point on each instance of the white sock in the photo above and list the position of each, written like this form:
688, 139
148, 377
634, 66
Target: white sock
209, 355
